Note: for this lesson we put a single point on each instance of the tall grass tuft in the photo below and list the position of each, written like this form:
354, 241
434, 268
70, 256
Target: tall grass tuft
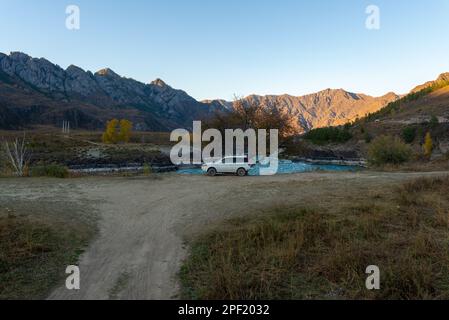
55, 171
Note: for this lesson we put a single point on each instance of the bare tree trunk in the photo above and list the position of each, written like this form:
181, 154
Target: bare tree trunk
17, 155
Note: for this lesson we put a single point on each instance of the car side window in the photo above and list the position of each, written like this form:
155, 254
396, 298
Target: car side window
240, 160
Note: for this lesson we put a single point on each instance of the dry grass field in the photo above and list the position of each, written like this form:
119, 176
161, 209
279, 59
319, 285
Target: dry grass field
307, 235
302, 251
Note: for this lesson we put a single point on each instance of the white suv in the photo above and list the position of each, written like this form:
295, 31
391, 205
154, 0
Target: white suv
237, 164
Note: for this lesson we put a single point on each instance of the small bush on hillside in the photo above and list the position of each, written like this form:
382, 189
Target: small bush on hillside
328, 135
147, 170
55, 171
409, 134
367, 137
434, 121
388, 150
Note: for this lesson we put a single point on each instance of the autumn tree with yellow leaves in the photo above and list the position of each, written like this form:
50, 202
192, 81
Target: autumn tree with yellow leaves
117, 131
428, 145
125, 130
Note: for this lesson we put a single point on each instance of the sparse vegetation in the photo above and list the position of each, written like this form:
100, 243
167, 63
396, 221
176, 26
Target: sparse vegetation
388, 150
329, 135
33, 253
395, 106
297, 253
54, 170
47, 147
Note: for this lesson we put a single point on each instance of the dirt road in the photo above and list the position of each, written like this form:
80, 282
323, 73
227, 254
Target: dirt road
143, 222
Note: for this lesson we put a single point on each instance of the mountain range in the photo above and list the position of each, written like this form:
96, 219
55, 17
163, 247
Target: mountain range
34, 91
329, 107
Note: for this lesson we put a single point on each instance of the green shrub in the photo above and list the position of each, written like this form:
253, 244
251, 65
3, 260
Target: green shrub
147, 170
409, 134
388, 150
434, 121
53, 170
367, 137
329, 134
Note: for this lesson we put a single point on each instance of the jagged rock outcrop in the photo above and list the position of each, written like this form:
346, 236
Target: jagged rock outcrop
27, 83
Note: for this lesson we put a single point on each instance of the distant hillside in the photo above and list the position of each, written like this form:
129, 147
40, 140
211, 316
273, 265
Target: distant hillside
425, 109
325, 108
441, 81
423, 102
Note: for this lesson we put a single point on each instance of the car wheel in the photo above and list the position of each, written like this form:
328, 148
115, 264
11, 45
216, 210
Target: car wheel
212, 172
241, 172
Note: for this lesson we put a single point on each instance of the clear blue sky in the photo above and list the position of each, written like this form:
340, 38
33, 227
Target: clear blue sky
218, 48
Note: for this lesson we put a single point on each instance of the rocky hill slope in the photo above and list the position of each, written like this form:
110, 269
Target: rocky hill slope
36, 91
329, 107
424, 110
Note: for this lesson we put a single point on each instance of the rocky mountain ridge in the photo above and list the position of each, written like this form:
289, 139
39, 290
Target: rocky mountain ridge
34, 91
329, 107
28, 83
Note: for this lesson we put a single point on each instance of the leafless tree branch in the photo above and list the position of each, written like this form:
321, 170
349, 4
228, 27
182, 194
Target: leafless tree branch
17, 155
